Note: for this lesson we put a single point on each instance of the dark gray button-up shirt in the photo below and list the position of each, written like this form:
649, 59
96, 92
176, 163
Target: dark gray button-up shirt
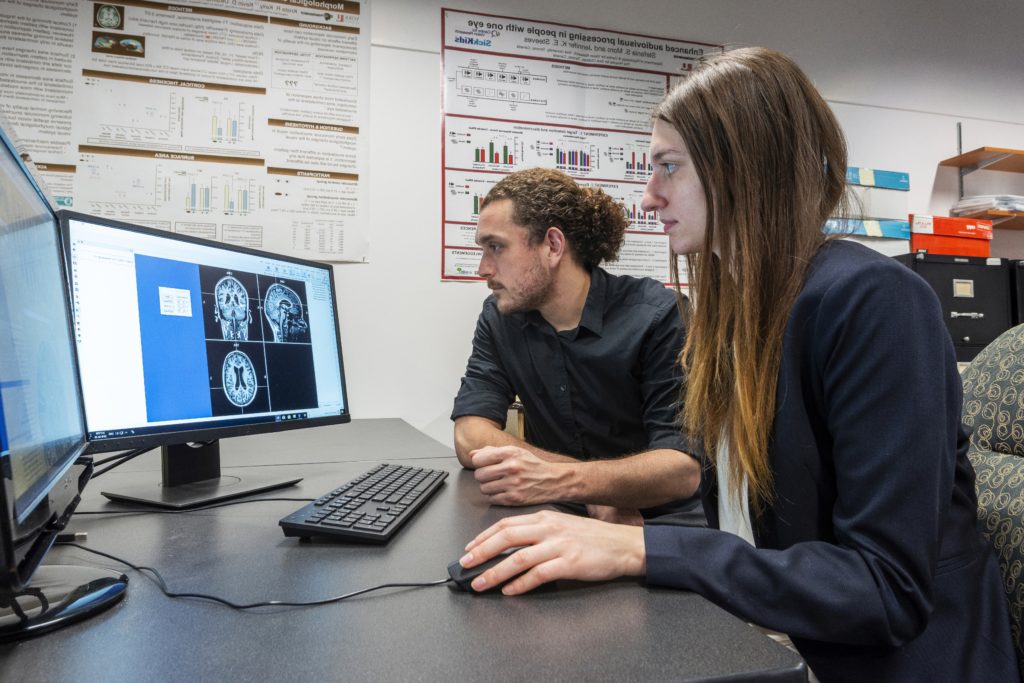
606, 389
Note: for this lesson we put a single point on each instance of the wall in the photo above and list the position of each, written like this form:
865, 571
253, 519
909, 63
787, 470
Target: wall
898, 74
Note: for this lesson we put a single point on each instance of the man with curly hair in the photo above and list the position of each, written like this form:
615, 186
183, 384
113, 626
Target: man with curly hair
592, 356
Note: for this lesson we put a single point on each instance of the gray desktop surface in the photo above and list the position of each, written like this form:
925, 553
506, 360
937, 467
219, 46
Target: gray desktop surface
365, 440
621, 630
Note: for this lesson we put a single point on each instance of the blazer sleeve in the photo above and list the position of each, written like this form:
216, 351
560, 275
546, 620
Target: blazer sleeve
883, 363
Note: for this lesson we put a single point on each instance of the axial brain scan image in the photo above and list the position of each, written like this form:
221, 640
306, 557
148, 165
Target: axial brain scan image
239, 377
283, 309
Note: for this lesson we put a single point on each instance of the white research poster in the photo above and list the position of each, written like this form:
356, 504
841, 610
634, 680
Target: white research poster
520, 93
243, 121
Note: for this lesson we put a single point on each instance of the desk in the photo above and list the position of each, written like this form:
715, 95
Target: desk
620, 630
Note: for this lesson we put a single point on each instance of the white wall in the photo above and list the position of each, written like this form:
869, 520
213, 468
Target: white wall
898, 74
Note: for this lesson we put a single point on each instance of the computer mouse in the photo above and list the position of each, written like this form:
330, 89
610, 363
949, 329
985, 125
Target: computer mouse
462, 578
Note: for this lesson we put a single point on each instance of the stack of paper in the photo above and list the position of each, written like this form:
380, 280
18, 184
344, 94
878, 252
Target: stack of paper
988, 202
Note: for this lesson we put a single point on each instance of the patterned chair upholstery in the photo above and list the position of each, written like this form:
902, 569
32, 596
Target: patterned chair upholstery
994, 408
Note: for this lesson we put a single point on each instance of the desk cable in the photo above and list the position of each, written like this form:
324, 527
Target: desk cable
154, 576
200, 508
117, 460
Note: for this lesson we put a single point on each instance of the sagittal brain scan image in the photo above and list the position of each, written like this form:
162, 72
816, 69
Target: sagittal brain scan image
239, 377
232, 309
284, 312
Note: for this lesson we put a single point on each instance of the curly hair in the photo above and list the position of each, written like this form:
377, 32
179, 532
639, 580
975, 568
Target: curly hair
594, 224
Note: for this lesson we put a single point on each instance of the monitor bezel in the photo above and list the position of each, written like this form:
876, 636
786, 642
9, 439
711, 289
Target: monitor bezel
27, 531
208, 434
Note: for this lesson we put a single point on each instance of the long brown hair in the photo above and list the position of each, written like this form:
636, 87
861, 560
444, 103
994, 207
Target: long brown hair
772, 160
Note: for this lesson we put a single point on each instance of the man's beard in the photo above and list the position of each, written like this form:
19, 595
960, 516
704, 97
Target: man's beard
533, 292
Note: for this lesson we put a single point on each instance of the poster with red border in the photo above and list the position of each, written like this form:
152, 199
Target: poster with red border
518, 94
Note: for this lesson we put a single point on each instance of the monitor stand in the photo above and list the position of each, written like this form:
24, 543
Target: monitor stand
57, 596
192, 478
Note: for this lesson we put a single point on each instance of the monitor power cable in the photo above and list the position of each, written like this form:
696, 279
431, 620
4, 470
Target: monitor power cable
154, 576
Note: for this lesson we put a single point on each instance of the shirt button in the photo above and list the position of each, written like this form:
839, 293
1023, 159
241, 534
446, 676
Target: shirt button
562, 388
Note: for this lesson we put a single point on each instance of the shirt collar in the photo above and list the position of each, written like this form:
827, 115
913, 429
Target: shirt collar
593, 309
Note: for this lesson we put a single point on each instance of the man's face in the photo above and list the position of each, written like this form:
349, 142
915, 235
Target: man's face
516, 271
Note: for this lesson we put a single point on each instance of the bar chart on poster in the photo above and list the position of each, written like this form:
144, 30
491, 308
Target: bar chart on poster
256, 134
520, 94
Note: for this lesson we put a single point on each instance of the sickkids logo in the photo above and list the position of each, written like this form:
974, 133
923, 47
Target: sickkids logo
466, 40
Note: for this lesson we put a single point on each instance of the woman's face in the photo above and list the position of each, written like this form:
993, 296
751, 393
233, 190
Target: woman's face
675, 191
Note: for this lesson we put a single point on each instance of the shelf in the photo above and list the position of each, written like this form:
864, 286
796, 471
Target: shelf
1003, 220
988, 158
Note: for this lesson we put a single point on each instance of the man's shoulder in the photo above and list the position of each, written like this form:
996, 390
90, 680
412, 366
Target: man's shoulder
632, 291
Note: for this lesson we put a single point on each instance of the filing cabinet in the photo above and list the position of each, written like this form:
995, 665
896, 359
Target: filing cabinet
1017, 281
975, 293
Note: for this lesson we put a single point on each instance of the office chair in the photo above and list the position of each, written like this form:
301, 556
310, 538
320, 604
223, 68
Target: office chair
994, 408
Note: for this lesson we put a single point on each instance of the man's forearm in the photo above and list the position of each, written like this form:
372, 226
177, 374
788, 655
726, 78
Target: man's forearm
641, 480
473, 432
637, 481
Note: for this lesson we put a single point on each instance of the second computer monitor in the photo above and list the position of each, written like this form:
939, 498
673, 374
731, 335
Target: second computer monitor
186, 340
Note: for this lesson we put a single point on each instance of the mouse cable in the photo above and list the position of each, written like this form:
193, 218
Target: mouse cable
211, 506
154, 576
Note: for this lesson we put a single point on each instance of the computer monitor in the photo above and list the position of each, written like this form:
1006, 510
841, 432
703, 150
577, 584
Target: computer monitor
42, 433
183, 341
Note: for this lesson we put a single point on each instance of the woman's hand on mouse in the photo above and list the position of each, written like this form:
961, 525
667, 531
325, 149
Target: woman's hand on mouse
555, 546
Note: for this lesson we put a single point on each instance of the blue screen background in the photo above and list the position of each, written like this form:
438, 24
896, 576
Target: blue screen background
173, 347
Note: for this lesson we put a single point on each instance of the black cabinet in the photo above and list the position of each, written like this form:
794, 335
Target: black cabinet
975, 294
1017, 279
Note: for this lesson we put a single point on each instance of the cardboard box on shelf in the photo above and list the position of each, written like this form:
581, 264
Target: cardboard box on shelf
892, 229
950, 236
950, 226
949, 246
880, 203
873, 177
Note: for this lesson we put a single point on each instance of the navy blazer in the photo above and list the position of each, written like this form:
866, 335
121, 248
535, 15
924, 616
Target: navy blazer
868, 557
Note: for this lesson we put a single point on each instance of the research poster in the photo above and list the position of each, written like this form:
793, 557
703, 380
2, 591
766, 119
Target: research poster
520, 93
242, 121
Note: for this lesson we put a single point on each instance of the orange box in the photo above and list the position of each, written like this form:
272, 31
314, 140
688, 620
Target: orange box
950, 226
950, 236
949, 246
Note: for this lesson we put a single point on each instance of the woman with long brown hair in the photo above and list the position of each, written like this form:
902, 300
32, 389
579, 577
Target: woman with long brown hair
822, 383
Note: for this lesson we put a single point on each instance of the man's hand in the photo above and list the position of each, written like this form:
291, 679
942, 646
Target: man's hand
614, 515
510, 475
558, 546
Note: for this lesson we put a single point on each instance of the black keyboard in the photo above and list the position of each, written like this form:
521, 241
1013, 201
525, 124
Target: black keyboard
371, 507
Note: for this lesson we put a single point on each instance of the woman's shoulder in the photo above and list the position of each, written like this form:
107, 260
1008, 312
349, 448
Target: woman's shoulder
839, 257
847, 281
842, 264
